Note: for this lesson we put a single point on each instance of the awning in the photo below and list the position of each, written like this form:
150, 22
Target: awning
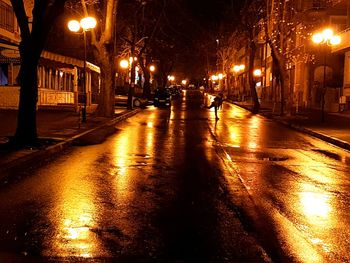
9, 53
68, 61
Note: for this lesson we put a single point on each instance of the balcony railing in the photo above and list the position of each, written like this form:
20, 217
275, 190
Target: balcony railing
7, 17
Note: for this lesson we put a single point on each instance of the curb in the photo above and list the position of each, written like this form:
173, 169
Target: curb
326, 138
321, 136
53, 149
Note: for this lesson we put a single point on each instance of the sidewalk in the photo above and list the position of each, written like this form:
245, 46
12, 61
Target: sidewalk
59, 129
335, 129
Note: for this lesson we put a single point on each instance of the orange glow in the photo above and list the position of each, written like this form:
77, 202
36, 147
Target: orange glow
88, 23
124, 64
257, 72
74, 25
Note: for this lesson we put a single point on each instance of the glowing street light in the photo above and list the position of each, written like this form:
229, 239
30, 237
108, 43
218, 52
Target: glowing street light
88, 23
236, 68
74, 25
131, 60
214, 77
124, 64
326, 38
184, 82
257, 73
152, 68
85, 24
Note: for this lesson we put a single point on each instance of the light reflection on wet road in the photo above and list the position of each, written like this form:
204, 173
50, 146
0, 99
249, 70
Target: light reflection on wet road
300, 186
158, 190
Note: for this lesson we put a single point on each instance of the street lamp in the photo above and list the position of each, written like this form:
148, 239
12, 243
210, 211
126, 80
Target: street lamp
152, 68
326, 38
237, 69
85, 24
171, 78
257, 73
124, 64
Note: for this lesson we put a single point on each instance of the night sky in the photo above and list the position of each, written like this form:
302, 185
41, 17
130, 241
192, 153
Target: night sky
201, 28
206, 11
209, 11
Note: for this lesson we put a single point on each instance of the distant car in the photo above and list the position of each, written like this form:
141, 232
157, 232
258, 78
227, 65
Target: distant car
175, 91
162, 97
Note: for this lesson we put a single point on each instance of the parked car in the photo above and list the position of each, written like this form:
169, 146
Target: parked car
121, 98
162, 97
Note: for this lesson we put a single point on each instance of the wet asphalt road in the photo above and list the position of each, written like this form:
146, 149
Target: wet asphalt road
174, 185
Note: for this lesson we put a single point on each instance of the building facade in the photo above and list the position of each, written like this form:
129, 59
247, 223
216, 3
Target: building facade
60, 78
311, 71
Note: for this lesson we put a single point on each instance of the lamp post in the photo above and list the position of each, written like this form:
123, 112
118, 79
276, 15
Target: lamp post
326, 38
85, 24
152, 69
171, 79
257, 73
237, 69
124, 64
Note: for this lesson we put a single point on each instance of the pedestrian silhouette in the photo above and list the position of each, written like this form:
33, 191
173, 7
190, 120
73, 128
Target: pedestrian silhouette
216, 104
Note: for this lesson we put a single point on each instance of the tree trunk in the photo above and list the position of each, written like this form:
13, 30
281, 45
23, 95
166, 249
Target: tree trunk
147, 85
277, 56
147, 76
280, 72
26, 132
106, 99
252, 82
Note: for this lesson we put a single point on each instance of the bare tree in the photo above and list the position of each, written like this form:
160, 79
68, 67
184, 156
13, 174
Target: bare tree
139, 34
134, 38
33, 36
227, 53
275, 36
251, 15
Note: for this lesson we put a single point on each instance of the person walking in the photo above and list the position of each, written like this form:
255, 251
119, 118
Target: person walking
216, 103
